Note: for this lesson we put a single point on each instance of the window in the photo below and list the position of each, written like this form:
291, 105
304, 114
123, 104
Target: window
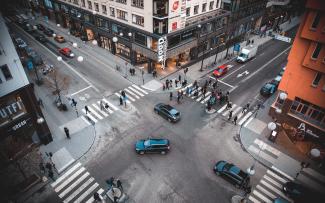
316, 21
121, 1
75, 2
211, 5
196, 9
317, 51
139, 20
188, 11
89, 5
204, 7
137, 3
83, 4
317, 79
121, 14
104, 10
96, 7
112, 11
217, 4
6, 72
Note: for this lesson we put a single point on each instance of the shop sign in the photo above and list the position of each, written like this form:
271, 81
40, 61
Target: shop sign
11, 109
302, 128
162, 51
20, 124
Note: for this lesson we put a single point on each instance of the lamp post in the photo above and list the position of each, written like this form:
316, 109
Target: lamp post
94, 42
115, 40
200, 27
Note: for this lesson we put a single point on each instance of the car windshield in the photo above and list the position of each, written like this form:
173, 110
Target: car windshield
228, 166
243, 55
146, 143
219, 70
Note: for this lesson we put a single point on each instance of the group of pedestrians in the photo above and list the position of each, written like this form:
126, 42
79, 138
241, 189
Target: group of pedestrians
178, 82
229, 107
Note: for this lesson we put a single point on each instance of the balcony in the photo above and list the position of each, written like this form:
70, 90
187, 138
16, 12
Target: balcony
277, 3
206, 16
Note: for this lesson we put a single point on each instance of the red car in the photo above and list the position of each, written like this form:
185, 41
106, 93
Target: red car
221, 70
67, 52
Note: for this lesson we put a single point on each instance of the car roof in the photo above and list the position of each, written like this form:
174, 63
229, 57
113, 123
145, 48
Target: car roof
154, 141
66, 49
223, 66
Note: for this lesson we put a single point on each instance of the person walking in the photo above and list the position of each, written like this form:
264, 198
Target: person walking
97, 197
178, 98
179, 78
235, 120
171, 83
67, 133
121, 100
164, 87
176, 82
170, 96
181, 92
230, 115
101, 104
244, 109
51, 175
167, 84
119, 184
86, 108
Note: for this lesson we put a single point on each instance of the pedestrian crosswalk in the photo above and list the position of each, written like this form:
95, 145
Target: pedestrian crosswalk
270, 187
76, 185
97, 111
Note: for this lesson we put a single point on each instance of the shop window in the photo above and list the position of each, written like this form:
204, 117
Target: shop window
174, 40
188, 11
112, 11
96, 7
211, 5
137, 3
316, 20
87, 18
217, 4
317, 79
6, 72
123, 15
83, 4
204, 7
90, 6
196, 9
121, 1
104, 10
140, 38
75, 2
317, 51
138, 20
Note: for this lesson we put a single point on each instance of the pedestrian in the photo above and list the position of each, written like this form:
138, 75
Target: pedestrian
119, 184
170, 96
171, 83
176, 82
195, 84
227, 93
179, 77
48, 165
86, 108
101, 104
210, 82
167, 84
187, 90
181, 94
106, 106
215, 84
40, 102
230, 115
252, 41
244, 110
97, 197
248, 190
178, 98
41, 167
74, 103
247, 106
123, 94
164, 87
121, 100
51, 175
235, 120
66, 130
190, 91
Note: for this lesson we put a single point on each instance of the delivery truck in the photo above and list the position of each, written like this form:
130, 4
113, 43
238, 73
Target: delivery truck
247, 53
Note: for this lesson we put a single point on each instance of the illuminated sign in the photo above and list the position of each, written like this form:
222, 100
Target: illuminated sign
162, 51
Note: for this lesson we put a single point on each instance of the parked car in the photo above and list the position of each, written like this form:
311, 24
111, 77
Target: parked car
152, 146
220, 70
59, 38
232, 173
66, 52
276, 81
37, 59
40, 38
282, 71
301, 194
268, 89
40, 27
280, 200
20, 43
28, 28
168, 112
48, 32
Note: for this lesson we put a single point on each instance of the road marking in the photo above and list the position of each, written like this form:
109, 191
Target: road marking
73, 185
97, 107
73, 176
206, 99
236, 110
222, 108
282, 173
253, 199
66, 174
86, 193
267, 147
76, 192
201, 97
272, 181
95, 113
245, 117
139, 89
275, 190
110, 104
260, 188
227, 112
65, 63
276, 176
226, 83
188, 86
261, 68
233, 72
91, 199
139, 93
249, 120
85, 119
133, 94
80, 91
89, 115
259, 195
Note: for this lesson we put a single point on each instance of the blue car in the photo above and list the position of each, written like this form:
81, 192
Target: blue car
168, 112
152, 146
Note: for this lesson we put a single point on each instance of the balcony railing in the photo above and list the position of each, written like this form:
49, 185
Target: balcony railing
307, 119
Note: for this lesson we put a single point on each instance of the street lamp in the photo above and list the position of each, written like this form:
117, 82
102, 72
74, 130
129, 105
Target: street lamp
40, 119
59, 58
74, 44
58, 25
121, 34
54, 35
130, 34
115, 40
94, 42
80, 58
283, 96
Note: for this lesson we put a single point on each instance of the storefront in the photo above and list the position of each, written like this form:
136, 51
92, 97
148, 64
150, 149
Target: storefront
122, 50
105, 42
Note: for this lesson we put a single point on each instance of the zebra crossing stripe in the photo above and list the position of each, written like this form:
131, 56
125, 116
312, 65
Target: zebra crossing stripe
73, 185
240, 115
110, 104
276, 176
128, 91
139, 93
86, 193
85, 119
259, 195
102, 112
248, 121
272, 181
260, 188
81, 188
222, 108
91, 199
232, 108
118, 95
128, 96
274, 189
95, 113
66, 174
89, 115
188, 86
109, 111
236, 110
66, 182
282, 173
137, 87
207, 98
253, 199
245, 117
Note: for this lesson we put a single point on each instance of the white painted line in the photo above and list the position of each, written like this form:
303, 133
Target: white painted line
222, 108
262, 197
269, 194
95, 113
98, 109
233, 72
80, 91
240, 115
213, 78
91, 199
67, 181
66, 174
275, 190
272, 181
261, 153
245, 117
253, 199
85, 119
73, 185
207, 97
249, 120
134, 90
225, 83
129, 97
89, 116
139, 89
282, 173
227, 112
267, 147
236, 110
118, 95
110, 104
133, 94
76, 192
190, 85
86, 193
276, 176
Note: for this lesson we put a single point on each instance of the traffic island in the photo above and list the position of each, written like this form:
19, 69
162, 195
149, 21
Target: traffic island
238, 199
126, 107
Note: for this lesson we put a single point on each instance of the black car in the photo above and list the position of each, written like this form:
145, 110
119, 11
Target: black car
40, 27
301, 194
40, 37
48, 32
152, 146
28, 28
168, 112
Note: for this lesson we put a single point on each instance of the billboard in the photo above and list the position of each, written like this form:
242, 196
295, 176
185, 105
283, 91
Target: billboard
177, 15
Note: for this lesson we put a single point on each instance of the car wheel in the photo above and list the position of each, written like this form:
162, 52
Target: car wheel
141, 152
162, 152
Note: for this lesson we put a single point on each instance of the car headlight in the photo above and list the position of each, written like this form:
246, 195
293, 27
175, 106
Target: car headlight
284, 188
72, 55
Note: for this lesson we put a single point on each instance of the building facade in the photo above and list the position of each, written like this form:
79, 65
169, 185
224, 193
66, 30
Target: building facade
21, 123
304, 79
156, 33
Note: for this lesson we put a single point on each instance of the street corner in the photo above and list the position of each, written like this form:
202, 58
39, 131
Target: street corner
152, 85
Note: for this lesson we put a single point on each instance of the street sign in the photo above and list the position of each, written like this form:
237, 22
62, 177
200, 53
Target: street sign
237, 47
282, 38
